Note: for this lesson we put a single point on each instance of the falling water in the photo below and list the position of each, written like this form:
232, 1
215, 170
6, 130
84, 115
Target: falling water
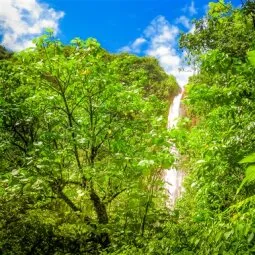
173, 177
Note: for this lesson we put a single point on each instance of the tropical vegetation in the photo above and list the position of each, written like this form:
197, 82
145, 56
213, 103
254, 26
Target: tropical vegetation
84, 145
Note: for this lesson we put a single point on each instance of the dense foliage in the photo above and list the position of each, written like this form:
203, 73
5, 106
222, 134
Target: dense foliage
216, 140
219, 132
83, 144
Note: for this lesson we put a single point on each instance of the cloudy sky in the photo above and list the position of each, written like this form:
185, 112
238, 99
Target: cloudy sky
143, 27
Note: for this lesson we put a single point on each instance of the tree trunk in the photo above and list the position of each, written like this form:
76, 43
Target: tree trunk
102, 217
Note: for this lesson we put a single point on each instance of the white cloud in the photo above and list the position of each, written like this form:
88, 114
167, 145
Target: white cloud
22, 20
135, 46
161, 42
138, 42
184, 21
192, 29
191, 9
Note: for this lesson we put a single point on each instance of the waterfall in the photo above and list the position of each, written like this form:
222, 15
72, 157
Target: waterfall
173, 177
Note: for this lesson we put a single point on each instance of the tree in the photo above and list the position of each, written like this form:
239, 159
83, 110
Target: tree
76, 136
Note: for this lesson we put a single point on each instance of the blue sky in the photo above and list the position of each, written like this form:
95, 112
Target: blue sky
143, 27
116, 23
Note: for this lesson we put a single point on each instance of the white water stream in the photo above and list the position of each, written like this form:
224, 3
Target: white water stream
173, 177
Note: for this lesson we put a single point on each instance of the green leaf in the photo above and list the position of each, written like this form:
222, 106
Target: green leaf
251, 236
249, 176
249, 159
228, 234
251, 57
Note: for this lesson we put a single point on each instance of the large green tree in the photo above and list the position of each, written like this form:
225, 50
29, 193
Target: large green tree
83, 144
